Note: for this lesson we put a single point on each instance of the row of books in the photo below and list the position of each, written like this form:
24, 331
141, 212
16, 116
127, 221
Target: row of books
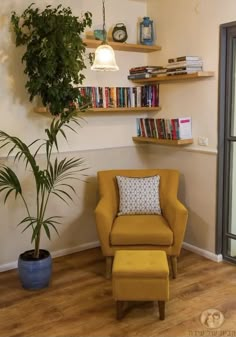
120, 97
175, 128
184, 65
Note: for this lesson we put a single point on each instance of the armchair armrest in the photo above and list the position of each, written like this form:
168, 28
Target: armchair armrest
176, 215
105, 214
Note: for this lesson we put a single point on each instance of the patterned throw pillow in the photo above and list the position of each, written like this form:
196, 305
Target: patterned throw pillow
139, 195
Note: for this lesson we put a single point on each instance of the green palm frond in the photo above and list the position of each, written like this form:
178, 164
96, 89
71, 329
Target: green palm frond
9, 182
36, 225
56, 127
60, 171
38, 148
51, 223
30, 221
22, 152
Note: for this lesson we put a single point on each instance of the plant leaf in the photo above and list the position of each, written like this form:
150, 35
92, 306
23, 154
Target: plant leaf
9, 182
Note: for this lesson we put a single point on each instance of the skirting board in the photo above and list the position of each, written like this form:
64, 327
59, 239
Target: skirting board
62, 252
202, 252
79, 248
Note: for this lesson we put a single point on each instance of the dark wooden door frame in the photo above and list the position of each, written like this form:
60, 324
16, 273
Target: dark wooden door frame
224, 106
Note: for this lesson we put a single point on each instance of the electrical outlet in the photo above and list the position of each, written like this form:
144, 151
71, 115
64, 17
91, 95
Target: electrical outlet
202, 141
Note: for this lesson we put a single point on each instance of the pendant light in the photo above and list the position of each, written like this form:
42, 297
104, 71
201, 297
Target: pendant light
104, 54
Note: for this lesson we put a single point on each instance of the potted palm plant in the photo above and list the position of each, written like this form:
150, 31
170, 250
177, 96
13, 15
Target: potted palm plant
53, 179
54, 60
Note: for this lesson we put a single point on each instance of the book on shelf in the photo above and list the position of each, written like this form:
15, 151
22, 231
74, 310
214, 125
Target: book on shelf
138, 126
139, 76
159, 71
160, 128
185, 127
184, 58
143, 127
153, 127
183, 71
147, 127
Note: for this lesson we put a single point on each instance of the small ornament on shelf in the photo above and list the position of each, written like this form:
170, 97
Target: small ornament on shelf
99, 34
119, 33
146, 31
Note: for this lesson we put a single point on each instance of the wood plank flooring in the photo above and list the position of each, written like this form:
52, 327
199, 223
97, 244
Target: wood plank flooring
79, 301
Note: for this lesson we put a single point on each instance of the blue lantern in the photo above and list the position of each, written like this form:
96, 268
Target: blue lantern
146, 31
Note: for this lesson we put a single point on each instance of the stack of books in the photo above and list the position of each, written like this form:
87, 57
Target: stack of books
143, 72
184, 65
175, 128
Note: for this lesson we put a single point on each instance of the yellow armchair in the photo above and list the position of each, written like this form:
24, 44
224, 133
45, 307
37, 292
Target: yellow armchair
161, 232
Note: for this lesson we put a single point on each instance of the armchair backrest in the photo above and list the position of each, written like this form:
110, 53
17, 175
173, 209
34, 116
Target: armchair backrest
108, 188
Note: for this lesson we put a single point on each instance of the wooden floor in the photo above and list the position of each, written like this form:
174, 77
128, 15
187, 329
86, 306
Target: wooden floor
79, 301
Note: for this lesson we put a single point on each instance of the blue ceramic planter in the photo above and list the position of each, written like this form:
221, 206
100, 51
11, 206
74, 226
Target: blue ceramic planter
35, 273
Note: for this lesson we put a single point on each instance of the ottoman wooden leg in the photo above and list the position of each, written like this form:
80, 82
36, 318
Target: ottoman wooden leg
119, 309
173, 260
109, 262
161, 305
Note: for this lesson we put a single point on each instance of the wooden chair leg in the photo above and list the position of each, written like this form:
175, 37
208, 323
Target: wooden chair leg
109, 262
173, 260
161, 305
119, 310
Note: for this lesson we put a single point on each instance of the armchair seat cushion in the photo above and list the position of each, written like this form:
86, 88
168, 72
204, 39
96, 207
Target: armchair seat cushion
141, 230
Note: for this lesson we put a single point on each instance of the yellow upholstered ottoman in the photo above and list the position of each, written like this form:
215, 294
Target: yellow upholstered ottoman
140, 275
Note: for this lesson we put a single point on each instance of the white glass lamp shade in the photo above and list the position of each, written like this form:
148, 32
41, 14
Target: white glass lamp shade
104, 59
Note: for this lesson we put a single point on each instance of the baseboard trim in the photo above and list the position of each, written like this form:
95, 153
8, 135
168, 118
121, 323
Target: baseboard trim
203, 252
8, 266
57, 253
79, 248
95, 244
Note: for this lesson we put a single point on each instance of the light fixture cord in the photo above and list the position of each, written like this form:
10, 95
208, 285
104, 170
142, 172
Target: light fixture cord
104, 30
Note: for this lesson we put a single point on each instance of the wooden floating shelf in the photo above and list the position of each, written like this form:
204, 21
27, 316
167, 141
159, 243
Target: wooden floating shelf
90, 43
172, 78
98, 110
141, 109
163, 141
